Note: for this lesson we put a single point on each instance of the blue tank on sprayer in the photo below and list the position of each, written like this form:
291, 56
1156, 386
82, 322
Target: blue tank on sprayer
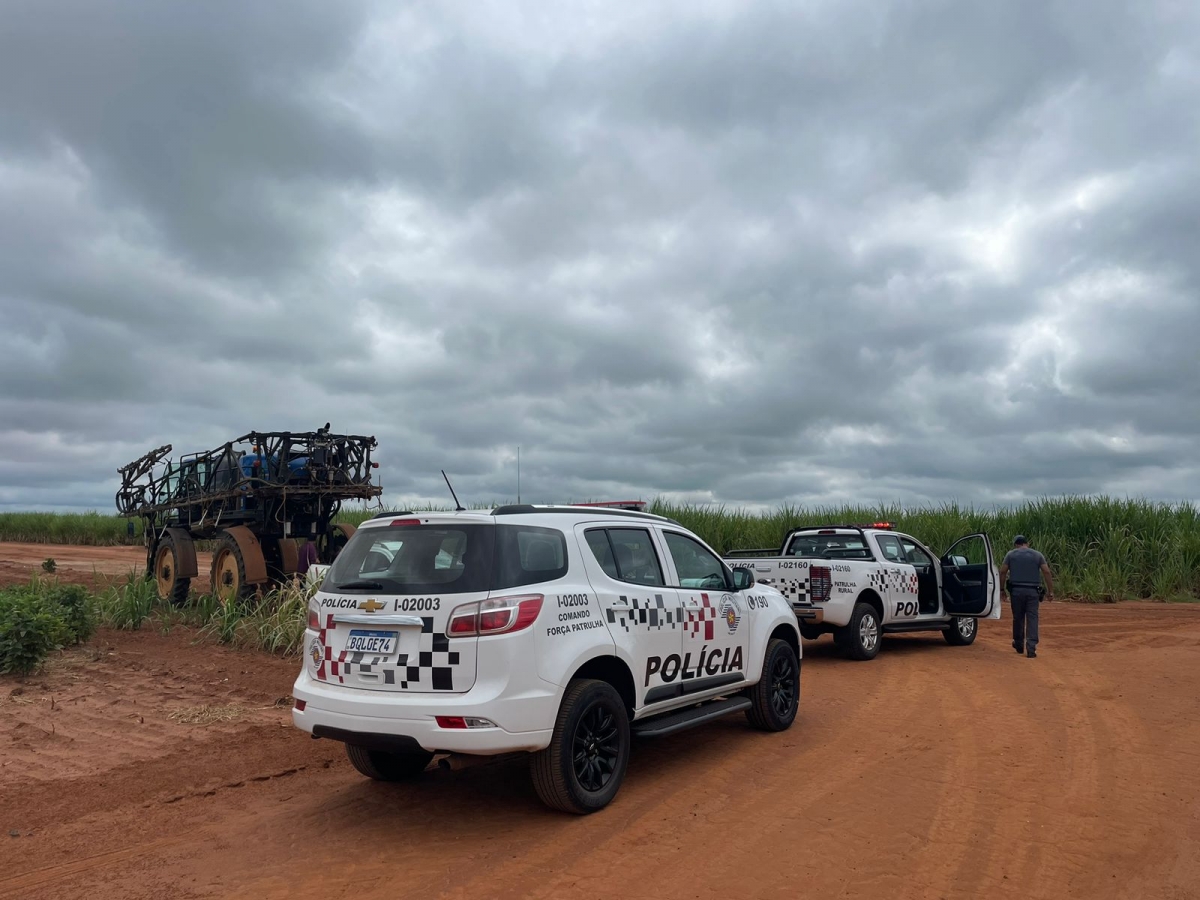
256, 465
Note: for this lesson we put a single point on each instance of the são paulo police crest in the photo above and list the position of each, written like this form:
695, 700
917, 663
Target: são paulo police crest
729, 612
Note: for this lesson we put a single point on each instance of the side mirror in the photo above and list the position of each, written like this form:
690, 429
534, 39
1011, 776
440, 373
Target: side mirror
957, 560
743, 578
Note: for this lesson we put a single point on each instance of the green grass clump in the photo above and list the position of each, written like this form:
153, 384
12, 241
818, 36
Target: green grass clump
29, 630
273, 621
128, 605
38, 618
76, 610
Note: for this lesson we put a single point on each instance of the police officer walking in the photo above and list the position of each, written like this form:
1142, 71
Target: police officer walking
1028, 567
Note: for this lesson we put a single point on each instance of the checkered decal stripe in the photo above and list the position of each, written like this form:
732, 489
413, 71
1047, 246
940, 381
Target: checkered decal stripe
897, 580
701, 616
432, 669
794, 589
650, 614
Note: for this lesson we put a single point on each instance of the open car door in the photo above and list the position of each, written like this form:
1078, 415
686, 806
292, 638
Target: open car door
969, 578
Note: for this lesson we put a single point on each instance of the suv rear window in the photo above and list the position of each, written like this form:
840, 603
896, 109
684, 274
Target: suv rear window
829, 546
448, 559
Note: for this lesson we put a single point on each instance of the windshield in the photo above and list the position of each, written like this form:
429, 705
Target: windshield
829, 546
447, 559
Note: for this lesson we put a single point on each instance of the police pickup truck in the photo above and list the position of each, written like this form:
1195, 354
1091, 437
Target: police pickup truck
860, 582
562, 632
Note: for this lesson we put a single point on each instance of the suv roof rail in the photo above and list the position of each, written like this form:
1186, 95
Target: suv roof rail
516, 509
881, 526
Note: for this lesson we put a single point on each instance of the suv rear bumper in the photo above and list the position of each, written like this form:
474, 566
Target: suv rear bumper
343, 713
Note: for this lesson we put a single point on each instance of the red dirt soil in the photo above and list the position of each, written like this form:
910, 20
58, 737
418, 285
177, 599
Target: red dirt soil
95, 567
932, 771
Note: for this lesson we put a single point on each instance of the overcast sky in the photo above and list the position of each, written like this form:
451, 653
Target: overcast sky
752, 253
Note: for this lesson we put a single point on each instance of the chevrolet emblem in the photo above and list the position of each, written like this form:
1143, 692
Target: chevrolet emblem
371, 605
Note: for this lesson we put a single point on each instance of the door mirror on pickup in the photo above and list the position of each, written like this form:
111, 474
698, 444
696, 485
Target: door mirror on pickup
743, 578
956, 560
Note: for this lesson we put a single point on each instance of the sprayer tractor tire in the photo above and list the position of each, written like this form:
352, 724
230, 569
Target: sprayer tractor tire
229, 572
167, 582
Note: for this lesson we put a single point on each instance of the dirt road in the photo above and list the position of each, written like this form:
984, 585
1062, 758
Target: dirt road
91, 566
932, 771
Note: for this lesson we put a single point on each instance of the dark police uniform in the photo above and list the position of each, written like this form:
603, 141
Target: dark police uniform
1024, 567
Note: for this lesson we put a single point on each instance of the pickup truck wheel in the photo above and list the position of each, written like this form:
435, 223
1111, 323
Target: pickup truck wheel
777, 695
383, 765
582, 769
861, 637
962, 631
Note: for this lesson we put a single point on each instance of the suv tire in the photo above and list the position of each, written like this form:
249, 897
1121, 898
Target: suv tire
777, 695
961, 631
861, 637
384, 765
593, 717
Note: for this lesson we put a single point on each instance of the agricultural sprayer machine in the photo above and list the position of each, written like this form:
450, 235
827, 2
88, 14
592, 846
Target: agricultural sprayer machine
256, 498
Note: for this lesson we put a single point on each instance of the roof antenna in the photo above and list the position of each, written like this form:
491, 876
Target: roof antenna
458, 507
518, 473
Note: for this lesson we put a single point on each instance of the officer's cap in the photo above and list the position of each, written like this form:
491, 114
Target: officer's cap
1019, 539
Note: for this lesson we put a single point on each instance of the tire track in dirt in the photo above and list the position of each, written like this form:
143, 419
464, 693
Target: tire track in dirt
780, 766
665, 776
715, 785
1106, 749
20, 885
949, 851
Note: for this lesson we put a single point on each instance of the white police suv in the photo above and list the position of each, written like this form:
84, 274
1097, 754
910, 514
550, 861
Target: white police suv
561, 631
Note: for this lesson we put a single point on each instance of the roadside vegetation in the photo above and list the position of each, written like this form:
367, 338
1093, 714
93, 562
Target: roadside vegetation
41, 617
1101, 550
89, 528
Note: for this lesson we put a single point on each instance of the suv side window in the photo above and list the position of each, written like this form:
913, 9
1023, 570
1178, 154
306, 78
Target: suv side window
914, 554
601, 549
695, 565
528, 555
626, 554
890, 547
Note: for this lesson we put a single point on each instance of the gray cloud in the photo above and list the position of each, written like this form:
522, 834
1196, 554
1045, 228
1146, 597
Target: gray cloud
746, 254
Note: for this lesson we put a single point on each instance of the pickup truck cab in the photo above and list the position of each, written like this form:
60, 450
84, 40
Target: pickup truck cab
859, 582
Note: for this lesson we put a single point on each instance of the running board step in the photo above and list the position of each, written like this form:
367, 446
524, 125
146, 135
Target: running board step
914, 627
688, 718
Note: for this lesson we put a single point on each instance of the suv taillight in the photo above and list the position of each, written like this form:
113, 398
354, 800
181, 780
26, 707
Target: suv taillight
314, 616
820, 583
496, 615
